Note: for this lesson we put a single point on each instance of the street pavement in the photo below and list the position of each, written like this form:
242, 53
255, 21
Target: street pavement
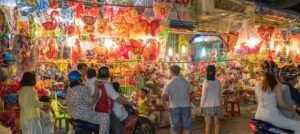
229, 125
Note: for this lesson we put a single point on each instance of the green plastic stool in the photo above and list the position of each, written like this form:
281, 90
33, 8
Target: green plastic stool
60, 115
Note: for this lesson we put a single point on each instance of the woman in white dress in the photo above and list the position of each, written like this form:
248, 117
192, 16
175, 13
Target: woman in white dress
269, 96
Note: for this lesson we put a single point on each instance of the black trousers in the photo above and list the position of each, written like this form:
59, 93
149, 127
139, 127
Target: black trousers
116, 126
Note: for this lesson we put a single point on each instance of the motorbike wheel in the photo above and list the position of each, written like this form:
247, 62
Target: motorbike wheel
144, 126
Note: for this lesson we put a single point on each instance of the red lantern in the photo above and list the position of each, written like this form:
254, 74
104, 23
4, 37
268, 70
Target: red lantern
137, 47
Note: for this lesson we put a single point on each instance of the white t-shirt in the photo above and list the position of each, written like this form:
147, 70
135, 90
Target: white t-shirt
111, 92
91, 85
47, 122
120, 111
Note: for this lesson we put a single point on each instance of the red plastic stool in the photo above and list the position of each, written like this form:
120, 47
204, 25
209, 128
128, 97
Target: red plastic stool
232, 110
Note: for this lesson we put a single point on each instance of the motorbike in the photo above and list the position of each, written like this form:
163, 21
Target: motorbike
262, 127
137, 124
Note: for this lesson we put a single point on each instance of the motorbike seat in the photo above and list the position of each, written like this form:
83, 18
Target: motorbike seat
265, 126
85, 125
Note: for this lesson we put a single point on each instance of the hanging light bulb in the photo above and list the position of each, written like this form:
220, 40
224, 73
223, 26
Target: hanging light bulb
203, 53
287, 50
170, 52
183, 50
272, 45
252, 42
278, 48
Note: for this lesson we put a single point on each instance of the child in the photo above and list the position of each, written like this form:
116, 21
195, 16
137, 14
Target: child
119, 116
118, 108
46, 117
143, 105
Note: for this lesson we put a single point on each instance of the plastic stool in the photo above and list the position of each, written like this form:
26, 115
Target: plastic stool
232, 110
60, 115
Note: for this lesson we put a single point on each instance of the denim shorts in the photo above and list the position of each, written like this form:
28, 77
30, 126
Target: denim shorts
181, 114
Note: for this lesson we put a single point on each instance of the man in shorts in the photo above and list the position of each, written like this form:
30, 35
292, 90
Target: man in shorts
178, 90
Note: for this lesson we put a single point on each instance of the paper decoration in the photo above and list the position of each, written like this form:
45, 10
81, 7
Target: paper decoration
67, 15
152, 52
53, 4
52, 24
78, 8
76, 52
266, 33
93, 11
89, 22
101, 54
124, 49
161, 10
4, 25
62, 65
101, 26
149, 28
52, 52
43, 5
108, 12
89, 47
137, 13
164, 29
137, 47
71, 29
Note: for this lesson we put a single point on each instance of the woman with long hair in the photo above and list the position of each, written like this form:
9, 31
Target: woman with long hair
210, 105
270, 97
30, 105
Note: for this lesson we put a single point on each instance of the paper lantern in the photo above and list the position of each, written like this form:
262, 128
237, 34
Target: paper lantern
43, 5
137, 47
124, 49
101, 25
52, 52
52, 24
161, 10
101, 54
4, 27
89, 22
266, 33
67, 15
149, 28
76, 52
53, 4
108, 12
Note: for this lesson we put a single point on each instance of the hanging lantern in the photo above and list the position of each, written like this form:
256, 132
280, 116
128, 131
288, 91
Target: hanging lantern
162, 10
